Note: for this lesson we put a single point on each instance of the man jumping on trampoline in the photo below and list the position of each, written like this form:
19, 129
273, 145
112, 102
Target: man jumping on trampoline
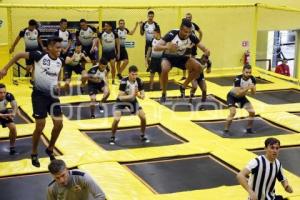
7, 116
98, 82
200, 81
264, 170
130, 88
44, 95
236, 97
71, 184
176, 44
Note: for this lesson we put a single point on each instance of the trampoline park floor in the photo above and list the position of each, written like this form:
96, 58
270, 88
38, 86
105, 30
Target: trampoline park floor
30, 186
285, 96
179, 104
23, 148
261, 127
130, 138
228, 80
183, 173
172, 85
289, 156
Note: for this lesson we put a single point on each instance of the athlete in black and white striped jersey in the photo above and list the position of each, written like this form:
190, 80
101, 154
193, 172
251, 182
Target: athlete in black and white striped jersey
44, 99
264, 170
122, 32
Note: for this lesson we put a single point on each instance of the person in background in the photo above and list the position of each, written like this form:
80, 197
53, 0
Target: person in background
283, 68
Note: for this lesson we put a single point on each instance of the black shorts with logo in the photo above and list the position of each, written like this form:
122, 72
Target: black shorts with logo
176, 60
95, 88
133, 106
148, 44
123, 54
200, 78
233, 101
3, 121
43, 104
109, 55
68, 69
155, 65
29, 61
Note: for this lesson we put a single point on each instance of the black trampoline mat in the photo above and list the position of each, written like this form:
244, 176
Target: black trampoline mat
21, 117
172, 85
278, 96
74, 90
80, 111
184, 105
23, 147
228, 80
183, 174
288, 156
130, 138
261, 127
25, 187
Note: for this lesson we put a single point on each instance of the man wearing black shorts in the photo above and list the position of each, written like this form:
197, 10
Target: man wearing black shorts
176, 44
110, 47
74, 62
122, 32
195, 28
200, 81
155, 61
7, 116
44, 99
147, 28
87, 35
98, 82
130, 88
66, 37
32, 40
236, 97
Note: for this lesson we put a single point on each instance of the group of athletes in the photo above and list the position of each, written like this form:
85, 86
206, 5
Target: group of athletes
177, 48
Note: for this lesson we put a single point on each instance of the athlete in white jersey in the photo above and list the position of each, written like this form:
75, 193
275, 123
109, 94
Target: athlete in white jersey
156, 56
176, 45
122, 32
32, 41
147, 28
236, 97
66, 37
87, 35
195, 28
44, 99
110, 43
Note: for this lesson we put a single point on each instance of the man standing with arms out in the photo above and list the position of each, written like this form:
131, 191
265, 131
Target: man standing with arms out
130, 89
32, 40
236, 97
86, 35
44, 99
176, 44
7, 118
147, 28
264, 170
195, 28
122, 32
110, 43
71, 184
66, 37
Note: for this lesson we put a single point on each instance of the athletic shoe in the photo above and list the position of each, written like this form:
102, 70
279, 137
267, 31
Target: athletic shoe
50, 154
112, 140
163, 98
182, 91
12, 151
35, 160
144, 139
250, 131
